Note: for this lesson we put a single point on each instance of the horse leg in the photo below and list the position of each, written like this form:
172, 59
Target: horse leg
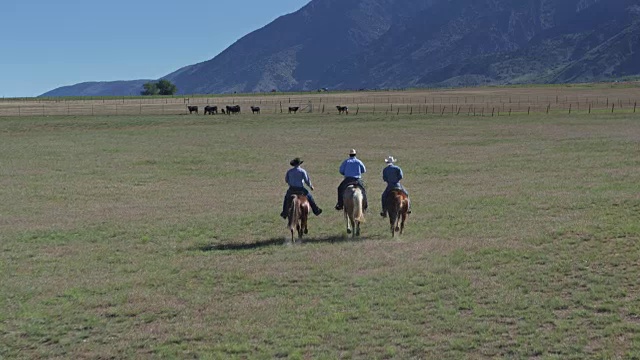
357, 225
348, 220
404, 217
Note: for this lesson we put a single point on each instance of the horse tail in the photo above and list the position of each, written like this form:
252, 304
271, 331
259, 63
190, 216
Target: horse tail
358, 211
294, 212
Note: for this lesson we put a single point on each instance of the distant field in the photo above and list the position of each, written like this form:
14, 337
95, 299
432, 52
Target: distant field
496, 101
158, 235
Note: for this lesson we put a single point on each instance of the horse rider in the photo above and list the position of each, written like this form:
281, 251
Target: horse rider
352, 170
392, 174
296, 177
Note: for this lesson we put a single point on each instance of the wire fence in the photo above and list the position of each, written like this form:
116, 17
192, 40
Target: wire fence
327, 104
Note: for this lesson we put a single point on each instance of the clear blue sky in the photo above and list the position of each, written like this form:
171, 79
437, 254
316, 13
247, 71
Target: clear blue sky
46, 44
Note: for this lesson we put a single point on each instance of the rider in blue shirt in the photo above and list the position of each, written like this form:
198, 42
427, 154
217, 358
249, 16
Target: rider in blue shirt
392, 175
352, 170
297, 177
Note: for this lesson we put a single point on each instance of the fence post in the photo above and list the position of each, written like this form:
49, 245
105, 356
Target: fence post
613, 106
569, 109
634, 106
548, 106
493, 110
529, 110
589, 108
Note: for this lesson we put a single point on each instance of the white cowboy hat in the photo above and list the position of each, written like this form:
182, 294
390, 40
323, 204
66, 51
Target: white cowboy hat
390, 160
352, 152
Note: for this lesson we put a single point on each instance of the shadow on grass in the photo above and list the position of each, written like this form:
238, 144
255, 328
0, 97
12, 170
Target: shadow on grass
276, 241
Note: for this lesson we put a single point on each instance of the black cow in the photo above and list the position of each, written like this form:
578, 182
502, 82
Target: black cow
293, 109
210, 110
255, 109
234, 109
192, 109
343, 109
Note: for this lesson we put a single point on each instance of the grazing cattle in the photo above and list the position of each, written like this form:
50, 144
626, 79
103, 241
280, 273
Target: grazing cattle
343, 109
255, 109
298, 214
234, 109
353, 209
293, 109
397, 204
210, 110
192, 109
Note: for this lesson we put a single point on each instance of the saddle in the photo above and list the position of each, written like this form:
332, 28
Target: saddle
353, 183
297, 192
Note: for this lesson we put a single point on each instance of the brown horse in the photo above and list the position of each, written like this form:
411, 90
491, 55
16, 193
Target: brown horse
353, 209
298, 214
397, 204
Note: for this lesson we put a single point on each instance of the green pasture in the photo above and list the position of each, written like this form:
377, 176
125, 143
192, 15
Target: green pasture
159, 237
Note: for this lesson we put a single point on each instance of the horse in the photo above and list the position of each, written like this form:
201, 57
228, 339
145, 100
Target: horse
299, 210
293, 109
397, 205
342, 109
192, 109
255, 110
210, 110
234, 109
353, 209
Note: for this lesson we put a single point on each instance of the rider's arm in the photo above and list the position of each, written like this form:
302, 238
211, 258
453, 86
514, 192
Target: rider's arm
400, 174
342, 167
363, 169
307, 180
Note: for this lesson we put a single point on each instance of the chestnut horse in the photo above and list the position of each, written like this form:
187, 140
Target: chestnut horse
353, 209
397, 205
298, 214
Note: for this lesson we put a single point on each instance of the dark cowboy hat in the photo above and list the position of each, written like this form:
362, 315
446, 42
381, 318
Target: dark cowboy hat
296, 162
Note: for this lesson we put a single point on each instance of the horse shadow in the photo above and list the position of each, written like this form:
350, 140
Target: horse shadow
274, 241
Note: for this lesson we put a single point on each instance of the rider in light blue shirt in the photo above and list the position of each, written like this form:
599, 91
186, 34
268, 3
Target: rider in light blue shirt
297, 177
392, 175
352, 170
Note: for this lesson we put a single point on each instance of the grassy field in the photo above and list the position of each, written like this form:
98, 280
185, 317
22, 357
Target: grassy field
159, 237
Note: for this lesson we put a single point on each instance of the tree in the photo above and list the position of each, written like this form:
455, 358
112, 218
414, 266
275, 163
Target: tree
150, 88
162, 87
165, 87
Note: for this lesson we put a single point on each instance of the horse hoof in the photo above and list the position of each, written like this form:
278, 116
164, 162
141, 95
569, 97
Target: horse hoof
348, 231
306, 231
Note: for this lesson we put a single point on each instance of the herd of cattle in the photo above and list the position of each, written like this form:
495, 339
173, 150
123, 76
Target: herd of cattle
235, 109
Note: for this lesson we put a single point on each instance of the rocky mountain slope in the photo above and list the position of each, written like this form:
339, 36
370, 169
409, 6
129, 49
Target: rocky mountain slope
353, 44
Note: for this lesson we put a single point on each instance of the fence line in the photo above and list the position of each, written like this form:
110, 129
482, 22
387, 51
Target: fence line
375, 104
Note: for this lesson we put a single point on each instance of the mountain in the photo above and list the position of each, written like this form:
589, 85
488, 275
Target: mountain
353, 44
97, 88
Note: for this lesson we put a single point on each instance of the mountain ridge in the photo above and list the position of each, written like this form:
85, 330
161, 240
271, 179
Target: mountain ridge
353, 44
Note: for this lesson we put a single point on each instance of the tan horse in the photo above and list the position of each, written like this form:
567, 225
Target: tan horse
298, 215
353, 209
397, 205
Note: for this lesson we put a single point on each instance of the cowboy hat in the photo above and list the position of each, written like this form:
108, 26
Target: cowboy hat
352, 152
390, 160
296, 162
